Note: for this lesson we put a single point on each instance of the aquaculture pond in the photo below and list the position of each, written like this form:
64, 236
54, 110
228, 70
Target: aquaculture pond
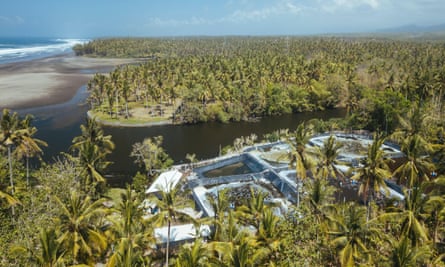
232, 169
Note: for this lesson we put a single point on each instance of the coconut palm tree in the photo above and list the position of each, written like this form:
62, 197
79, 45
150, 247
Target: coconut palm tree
92, 148
92, 132
299, 140
352, 235
96, 87
11, 133
10, 200
403, 254
130, 235
115, 79
194, 255
373, 172
319, 202
268, 233
242, 251
220, 205
92, 162
412, 124
435, 217
10, 136
192, 159
410, 216
252, 211
29, 146
49, 252
300, 158
418, 163
109, 91
320, 195
124, 255
79, 229
5, 198
125, 92
327, 157
171, 207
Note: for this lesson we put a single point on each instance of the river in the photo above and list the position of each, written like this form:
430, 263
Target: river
58, 124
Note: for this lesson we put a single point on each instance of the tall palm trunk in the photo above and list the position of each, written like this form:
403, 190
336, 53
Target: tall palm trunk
298, 193
370, 199
27, 167
117, 105
27, 172
11, 180
168, 244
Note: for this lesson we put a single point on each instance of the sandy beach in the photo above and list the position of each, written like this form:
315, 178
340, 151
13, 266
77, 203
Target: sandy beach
49, 80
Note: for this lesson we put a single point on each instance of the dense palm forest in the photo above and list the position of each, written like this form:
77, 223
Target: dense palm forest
64, 214
235, 78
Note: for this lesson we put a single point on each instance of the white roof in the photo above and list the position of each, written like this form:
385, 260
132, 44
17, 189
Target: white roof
181, 232
165, 182
389, 192
200, 194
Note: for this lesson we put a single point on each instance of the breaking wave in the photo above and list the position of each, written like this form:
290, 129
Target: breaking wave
12, 50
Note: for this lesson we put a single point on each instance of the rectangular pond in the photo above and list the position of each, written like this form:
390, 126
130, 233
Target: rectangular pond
232, 169
237, 165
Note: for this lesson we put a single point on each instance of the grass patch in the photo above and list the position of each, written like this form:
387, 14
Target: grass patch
139, 114
115, 194
132, 120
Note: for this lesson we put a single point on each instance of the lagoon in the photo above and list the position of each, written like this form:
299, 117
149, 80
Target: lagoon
59, 124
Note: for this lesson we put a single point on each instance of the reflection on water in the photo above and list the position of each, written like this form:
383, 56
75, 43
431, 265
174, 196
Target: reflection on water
63, 115
59, 124
206, 139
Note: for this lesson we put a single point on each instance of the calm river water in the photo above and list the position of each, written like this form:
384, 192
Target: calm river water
58, 124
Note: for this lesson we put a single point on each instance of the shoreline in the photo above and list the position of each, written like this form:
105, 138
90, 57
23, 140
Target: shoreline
51, 80
128, 125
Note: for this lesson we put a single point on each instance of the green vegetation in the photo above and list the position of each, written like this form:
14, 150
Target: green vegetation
64, 214
192, 80
63, 219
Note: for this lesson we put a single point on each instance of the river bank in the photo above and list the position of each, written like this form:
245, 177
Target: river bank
129, 124
58, 121
50, 80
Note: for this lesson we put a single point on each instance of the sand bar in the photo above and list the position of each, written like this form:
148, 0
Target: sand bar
50, 80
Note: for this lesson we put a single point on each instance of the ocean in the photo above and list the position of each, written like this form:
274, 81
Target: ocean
24, 49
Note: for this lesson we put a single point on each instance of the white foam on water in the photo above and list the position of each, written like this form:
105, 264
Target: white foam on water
33, 51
